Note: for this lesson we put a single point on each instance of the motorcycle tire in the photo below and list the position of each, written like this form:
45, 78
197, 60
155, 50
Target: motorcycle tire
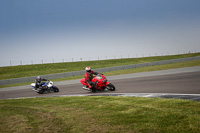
56, 89
40, 91
111, 87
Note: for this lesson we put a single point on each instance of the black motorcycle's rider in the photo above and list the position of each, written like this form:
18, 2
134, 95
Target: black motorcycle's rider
38, 82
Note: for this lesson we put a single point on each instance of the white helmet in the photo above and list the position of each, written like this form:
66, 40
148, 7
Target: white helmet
88, 69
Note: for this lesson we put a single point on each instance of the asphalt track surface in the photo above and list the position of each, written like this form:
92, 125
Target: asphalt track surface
174, 83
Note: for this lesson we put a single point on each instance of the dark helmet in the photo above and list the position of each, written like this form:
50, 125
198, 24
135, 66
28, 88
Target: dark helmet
38, 78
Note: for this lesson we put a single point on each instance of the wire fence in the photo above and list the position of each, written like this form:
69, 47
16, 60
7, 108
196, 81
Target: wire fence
92, 58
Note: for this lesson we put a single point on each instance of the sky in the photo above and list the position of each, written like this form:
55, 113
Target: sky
47, 31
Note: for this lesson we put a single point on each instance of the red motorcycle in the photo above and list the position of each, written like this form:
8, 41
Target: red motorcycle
101, 83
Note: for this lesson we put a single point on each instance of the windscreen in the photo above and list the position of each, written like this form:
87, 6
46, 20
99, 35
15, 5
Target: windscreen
99, 77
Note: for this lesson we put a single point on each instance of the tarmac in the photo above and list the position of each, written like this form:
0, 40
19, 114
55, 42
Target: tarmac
195, 97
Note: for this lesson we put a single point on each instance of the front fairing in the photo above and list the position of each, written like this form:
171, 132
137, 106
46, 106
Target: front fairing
50, 84
100, 80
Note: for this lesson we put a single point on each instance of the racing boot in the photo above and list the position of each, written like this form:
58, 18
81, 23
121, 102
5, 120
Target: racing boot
86, 88
35, 89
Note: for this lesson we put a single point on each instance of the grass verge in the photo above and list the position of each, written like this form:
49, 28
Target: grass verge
43, 69
127, 71
156, 68
99, 114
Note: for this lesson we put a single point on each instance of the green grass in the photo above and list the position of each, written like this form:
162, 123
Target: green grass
99, 114
43, 69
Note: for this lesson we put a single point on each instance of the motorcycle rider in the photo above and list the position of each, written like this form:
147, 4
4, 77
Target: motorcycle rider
38, 82
88, 78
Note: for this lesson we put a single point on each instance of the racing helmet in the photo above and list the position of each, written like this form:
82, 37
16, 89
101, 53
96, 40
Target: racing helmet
88, 69
38, 78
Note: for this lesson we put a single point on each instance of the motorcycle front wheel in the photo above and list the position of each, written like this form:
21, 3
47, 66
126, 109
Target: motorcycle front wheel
110, 87
56, 89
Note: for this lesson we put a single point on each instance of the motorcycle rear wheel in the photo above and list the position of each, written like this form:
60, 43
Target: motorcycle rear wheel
40, 91
110, 87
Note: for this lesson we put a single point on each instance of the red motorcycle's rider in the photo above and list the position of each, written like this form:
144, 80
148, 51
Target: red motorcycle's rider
89, 76
38, 82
